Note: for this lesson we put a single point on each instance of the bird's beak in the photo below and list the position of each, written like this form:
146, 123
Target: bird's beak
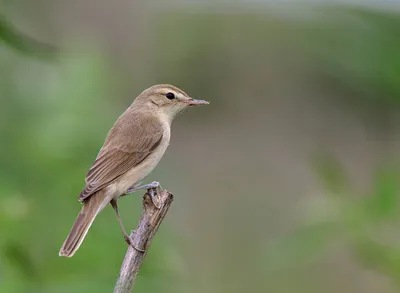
194, 102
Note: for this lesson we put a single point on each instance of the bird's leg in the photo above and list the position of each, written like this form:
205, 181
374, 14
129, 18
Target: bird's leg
151, 185
127, 238
153, 188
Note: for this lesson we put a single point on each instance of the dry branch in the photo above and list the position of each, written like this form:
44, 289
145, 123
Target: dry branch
146, 229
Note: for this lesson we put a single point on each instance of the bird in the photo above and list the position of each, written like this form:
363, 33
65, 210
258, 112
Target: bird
133, 147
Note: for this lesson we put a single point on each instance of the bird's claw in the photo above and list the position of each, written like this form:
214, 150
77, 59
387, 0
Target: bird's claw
137, 187
129, 240
153, 195
153, 189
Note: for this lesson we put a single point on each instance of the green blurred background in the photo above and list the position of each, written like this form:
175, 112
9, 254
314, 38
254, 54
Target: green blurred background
287, 182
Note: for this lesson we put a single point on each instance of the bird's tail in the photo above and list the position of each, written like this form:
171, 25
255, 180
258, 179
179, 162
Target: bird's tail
91, 207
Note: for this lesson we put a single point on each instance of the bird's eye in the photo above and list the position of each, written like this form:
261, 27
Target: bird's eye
170, 96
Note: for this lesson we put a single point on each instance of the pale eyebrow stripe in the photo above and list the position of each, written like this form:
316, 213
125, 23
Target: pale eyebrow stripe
166, 89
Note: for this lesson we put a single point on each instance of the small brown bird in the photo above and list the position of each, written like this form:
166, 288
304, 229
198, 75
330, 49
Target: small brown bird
132, 149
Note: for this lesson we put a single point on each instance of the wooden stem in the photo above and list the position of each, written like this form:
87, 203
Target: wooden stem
146, 229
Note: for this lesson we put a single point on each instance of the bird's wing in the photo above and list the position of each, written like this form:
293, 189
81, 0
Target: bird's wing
124, 148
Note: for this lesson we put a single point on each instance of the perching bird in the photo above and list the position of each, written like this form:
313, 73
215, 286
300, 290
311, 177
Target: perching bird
132, 149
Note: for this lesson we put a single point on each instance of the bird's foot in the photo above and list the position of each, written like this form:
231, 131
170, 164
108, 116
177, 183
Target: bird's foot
151, 185
129, 240
153, 195
153, 189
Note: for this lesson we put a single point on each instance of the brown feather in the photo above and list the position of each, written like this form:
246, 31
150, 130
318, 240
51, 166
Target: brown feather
125, 148
82, 223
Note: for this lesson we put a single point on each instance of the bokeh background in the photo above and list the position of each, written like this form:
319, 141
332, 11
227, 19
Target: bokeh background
287, 182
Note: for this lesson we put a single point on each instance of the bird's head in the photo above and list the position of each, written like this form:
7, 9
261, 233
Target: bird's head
166, 99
